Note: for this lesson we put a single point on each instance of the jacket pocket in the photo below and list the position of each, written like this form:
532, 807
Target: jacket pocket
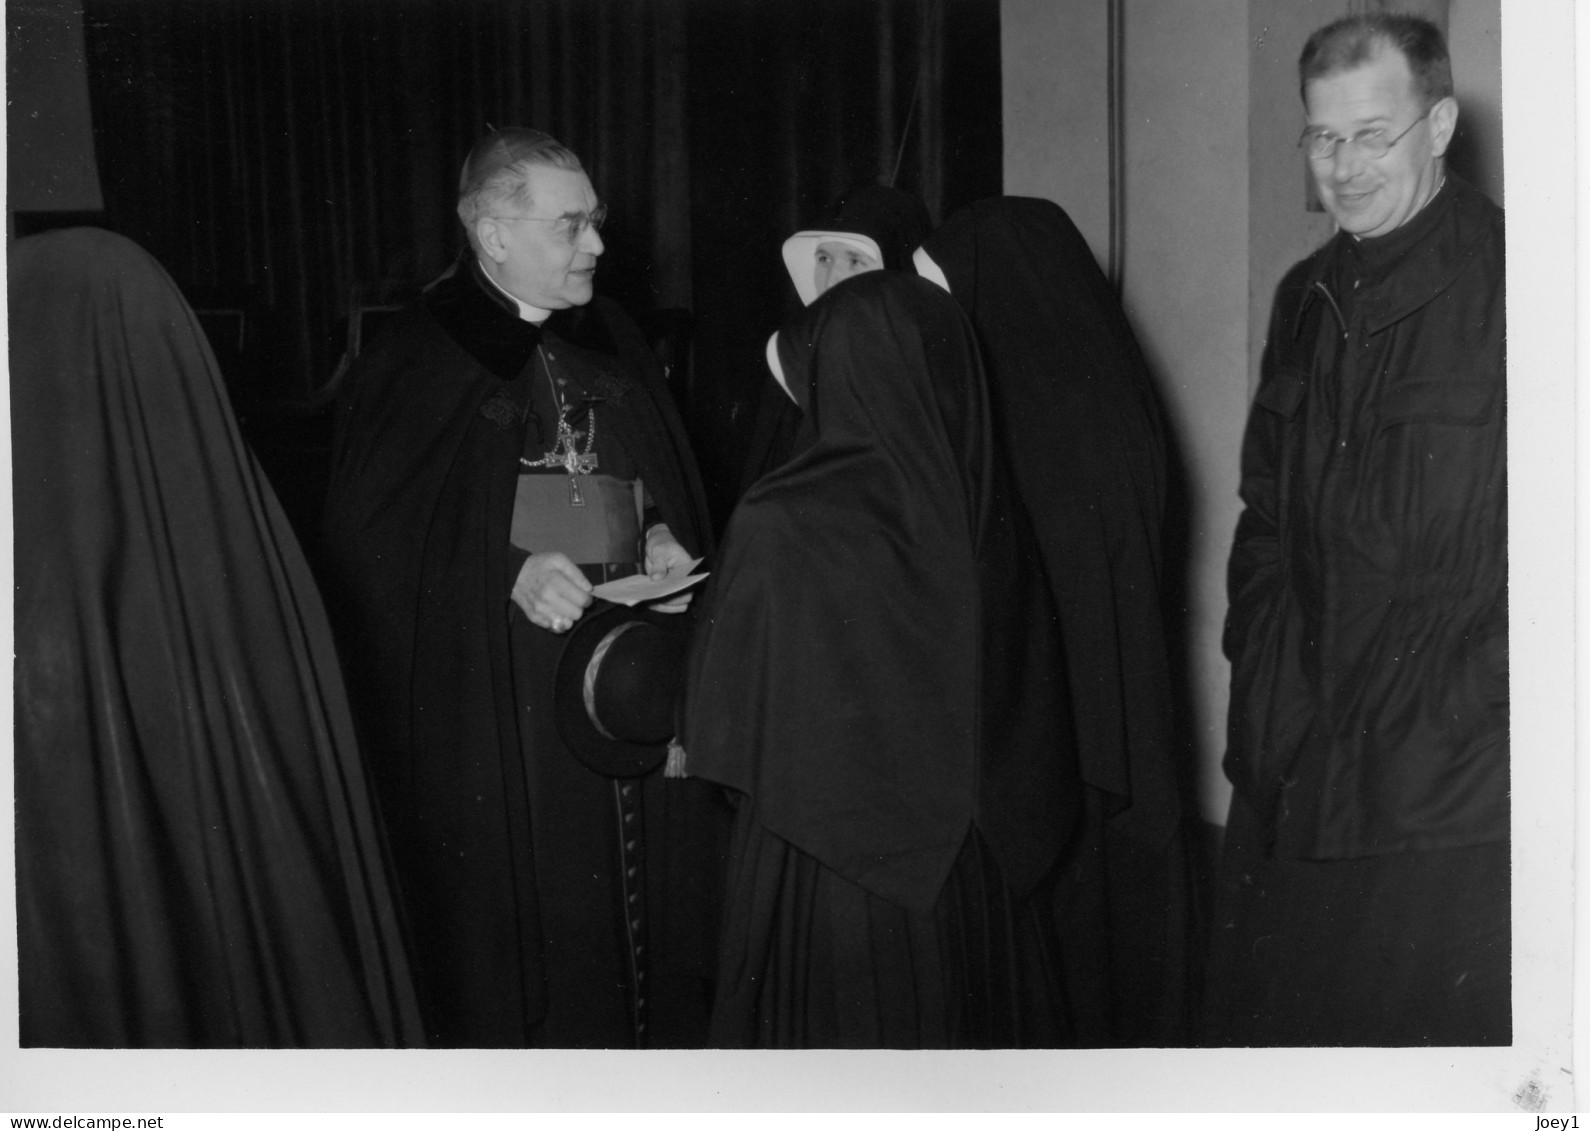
1438, 402
1282, 392
1440, 447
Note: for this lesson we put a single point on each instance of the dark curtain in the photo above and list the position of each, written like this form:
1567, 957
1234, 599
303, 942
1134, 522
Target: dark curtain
288, 155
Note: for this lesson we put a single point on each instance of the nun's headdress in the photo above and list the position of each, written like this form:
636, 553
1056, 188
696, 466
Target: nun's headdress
887, 223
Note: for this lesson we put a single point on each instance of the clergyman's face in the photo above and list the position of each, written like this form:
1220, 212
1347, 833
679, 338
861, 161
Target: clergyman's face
1371, 196
541, 266
837, 260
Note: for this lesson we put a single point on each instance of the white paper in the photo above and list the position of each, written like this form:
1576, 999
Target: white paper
638, 587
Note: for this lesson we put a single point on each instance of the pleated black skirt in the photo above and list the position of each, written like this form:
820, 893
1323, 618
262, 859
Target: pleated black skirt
810, 960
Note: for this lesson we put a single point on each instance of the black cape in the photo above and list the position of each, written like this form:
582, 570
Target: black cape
454, 687
880, 677
1079, 423
897, 222
197, 860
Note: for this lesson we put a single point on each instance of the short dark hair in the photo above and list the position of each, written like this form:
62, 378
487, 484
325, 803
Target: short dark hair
1353, 40
496, 170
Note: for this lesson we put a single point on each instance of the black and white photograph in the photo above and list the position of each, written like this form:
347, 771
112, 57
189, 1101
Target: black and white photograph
791, 555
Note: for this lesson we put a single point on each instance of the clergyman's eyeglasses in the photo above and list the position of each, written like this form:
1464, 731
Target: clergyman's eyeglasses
1320, 144
571, 226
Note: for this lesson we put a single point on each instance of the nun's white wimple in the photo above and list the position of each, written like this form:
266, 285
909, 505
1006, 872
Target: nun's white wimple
778, 370
929, 270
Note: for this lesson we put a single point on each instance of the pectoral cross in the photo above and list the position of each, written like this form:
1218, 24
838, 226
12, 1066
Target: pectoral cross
566, 452
577, 463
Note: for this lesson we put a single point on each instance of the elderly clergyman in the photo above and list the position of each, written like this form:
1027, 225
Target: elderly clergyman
503, 447
1364, 895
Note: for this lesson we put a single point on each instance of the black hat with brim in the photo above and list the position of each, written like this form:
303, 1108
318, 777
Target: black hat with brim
617, 686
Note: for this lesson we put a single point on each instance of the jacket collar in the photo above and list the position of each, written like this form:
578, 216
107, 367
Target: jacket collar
1408, 268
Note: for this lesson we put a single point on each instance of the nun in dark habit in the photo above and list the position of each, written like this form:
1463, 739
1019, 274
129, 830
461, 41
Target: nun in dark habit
1076, 417
879, 683
196, 856
870, 228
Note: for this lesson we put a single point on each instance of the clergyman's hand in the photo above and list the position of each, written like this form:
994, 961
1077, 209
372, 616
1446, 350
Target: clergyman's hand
663, 553
552, 591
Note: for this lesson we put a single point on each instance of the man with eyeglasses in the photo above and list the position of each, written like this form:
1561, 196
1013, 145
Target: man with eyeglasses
1364, 881
504, 447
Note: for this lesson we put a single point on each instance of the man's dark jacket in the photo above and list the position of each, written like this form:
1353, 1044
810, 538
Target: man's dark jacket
1368, 583
419, 572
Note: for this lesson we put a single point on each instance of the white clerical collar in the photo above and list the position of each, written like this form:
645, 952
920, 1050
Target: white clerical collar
526, 311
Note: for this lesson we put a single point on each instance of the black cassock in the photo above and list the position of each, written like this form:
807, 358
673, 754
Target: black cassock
515, 861
879, 679
198, 863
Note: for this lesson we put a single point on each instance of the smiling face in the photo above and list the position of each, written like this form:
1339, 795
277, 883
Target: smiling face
1371, 196
529, 255
837, 260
